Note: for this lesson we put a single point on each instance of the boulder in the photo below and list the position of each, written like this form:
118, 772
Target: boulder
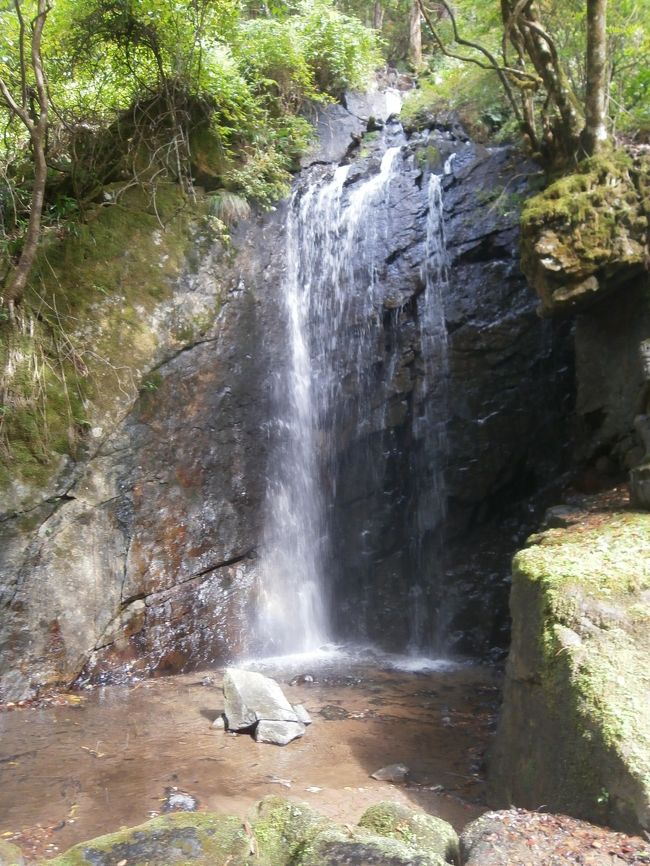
391, 773
574, 732
283, 829
202, 839
253, 701
538, 839
427, 832
587, 233
358, 847
278, 733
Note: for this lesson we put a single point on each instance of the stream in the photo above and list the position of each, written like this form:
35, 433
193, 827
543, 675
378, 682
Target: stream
74, 771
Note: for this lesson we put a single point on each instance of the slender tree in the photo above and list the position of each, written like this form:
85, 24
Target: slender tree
415, 35
535, 81
595, 131
30, 106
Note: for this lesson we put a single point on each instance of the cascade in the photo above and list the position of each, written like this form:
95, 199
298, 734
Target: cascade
331, 394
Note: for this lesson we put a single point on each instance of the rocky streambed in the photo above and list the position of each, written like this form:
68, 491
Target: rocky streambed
90, 763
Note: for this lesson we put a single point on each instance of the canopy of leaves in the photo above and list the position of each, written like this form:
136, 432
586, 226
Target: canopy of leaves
477, 92
134, 84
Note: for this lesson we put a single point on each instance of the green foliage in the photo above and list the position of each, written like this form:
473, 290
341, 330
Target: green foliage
338, 48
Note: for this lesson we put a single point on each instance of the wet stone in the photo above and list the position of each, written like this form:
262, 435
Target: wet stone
278, 733
179, 801
391, 773
303, 715
333, 713
251, 697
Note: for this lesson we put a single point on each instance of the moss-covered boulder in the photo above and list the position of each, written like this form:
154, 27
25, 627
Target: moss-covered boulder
10, 855
279, 833
587, 233
337, 846
200, 839
283, 830
575, 728
425, 832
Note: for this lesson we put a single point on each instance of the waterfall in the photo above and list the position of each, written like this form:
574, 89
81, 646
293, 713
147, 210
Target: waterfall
338, 229
430, 431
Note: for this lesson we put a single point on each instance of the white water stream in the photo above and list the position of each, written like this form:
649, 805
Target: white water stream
337, 234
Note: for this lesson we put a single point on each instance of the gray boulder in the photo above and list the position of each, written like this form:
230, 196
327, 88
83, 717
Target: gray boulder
278, 733
253, 701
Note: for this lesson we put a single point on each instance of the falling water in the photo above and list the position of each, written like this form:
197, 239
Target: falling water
337, 233
430, 429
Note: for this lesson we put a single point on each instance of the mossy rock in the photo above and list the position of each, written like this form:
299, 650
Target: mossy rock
10, 855
198, 839
99, 310
337, 846
575, 726
283, 830
587, 233
419, 831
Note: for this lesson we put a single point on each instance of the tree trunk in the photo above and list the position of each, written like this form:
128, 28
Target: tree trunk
378, 16
37, 127
595, 131
415, 36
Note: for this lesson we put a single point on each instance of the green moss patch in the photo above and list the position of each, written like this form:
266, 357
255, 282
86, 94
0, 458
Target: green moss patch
587, 232
182, 838
85, 335
417, 830
580, 607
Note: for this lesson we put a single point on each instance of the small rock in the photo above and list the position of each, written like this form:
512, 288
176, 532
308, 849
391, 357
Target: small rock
391, 773
333, 713
313, 789
303, 715
301, 680
278, 733
179, 801
219, 723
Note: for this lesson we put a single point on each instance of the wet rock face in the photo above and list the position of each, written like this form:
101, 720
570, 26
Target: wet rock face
145, 562
502, 403
142, 556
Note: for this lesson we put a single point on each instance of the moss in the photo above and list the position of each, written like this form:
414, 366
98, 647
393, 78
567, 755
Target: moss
358, 845
587, 586
85, 336
202, 839
587, 232
417, 830
284, 830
